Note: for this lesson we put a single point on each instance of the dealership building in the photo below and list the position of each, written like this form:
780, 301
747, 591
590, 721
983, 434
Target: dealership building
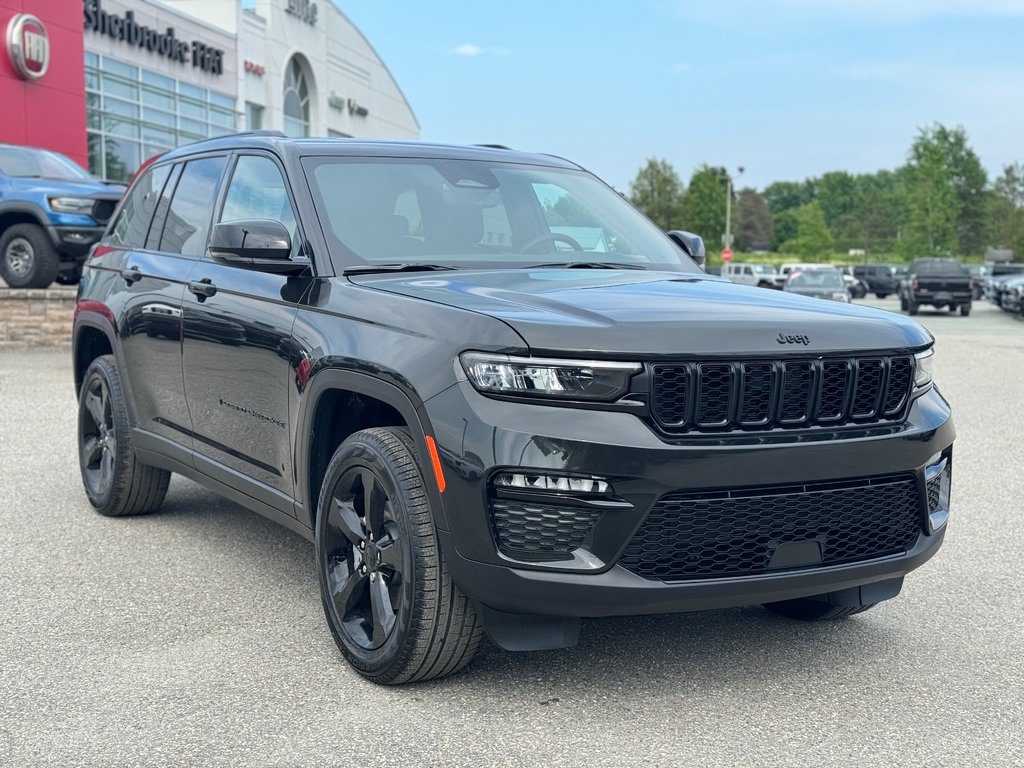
111, 82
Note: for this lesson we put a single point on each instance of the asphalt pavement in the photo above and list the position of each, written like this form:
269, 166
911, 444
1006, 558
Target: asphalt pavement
195, 636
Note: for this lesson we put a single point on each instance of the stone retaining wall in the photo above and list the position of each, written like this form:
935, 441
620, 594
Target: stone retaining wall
36, 318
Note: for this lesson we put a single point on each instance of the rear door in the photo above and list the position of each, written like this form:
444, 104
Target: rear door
237, 327
148, 307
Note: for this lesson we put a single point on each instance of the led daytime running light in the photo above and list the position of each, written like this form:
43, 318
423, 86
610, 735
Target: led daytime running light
562, 483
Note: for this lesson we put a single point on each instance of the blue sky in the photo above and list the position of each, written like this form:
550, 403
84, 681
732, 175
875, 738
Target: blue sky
785, 88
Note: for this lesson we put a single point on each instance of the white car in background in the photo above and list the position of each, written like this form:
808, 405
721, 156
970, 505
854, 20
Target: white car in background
744, 273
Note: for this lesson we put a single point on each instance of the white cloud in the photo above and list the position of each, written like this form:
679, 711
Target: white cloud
471, 50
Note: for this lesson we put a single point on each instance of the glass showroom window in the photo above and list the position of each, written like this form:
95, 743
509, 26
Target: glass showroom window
133, 113
296, 100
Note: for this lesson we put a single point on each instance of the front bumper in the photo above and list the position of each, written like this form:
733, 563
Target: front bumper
478, 436
74, 242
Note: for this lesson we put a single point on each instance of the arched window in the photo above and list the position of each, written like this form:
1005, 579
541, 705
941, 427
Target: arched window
296, 100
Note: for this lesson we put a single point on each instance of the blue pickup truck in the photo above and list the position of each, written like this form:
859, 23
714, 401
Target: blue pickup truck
51, 212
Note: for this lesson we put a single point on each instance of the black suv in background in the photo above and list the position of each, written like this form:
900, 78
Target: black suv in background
881, 279
496, 397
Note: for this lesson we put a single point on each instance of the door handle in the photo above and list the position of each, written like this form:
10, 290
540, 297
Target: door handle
203, 289
131, 274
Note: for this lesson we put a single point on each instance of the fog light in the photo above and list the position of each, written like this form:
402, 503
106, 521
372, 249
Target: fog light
937, 480
563, 483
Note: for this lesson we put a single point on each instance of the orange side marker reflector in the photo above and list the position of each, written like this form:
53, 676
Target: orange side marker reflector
435, 460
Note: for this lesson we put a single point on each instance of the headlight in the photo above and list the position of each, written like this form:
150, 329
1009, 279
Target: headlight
840, 297
537, 377
72, 204
923, 368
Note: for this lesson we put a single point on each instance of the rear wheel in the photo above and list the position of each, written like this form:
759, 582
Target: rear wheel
27, 257
391, 606
965, 310
882, 295
115, 481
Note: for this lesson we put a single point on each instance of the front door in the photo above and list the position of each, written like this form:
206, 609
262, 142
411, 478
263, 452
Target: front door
238, 325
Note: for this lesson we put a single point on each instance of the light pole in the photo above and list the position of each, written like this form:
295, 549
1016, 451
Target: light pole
727, 237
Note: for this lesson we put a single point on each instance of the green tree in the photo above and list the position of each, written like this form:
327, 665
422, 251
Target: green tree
658, 191
1006, 210
934, 206
836, 193
786, 195
813, 239
784, 227
753, 221
704, 204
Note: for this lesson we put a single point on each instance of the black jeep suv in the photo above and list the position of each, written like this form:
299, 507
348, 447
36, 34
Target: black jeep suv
496, 397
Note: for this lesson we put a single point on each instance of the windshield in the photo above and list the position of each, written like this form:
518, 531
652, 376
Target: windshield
474, 213
819, 278
764, 269
27, 163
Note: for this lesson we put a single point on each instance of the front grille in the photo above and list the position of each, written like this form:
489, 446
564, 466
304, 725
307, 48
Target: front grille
764, 394
738, 533
103, 210
529, 531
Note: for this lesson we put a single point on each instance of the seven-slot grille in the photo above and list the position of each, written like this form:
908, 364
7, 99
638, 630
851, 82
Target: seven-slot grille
763, 394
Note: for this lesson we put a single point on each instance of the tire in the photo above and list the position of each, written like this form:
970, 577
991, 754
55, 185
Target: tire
393, 609
115, 481
882, 295
965, 310
912, 307
903, 304
27, 257
70, 277
816, 609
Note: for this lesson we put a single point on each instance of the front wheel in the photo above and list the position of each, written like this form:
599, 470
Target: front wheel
912, 307
965, 310
27, 257
390, 604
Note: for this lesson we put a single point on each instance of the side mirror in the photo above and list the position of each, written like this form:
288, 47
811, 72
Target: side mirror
692, 245
260, 244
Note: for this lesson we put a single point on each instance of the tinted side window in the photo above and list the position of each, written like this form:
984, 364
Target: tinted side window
157, 227
133, 222
258, 191
188, 218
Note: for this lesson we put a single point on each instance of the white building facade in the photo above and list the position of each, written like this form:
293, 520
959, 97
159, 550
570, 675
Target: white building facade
161, 73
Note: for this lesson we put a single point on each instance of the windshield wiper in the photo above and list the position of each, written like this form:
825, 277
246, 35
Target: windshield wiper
588, 265
367, 269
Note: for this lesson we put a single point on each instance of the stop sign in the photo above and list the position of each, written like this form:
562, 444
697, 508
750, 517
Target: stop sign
727, 254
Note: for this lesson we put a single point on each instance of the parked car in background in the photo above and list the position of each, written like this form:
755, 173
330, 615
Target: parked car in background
979, 274
1000, 274
761, 275
881, 279
940, 283
858, 288
1009, 292
51, 212
819, 282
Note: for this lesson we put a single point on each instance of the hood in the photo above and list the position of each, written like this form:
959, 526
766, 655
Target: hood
55, 187
631, 313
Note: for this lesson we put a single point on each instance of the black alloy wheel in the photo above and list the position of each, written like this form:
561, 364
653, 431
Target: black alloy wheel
363, 558
115, 481
98, 437
391, 606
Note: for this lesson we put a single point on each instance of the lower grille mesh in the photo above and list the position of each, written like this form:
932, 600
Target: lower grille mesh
529, 531
708, 535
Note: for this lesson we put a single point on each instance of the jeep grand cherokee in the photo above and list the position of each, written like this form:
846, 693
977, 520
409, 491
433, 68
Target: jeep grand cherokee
496, 397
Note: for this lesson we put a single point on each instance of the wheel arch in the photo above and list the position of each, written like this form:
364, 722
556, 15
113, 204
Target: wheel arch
12, 213
92, 337
337, 403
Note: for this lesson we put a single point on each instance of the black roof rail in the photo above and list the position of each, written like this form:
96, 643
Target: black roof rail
492, 146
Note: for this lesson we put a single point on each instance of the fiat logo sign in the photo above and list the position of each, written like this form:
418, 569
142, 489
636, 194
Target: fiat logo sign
28, 46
